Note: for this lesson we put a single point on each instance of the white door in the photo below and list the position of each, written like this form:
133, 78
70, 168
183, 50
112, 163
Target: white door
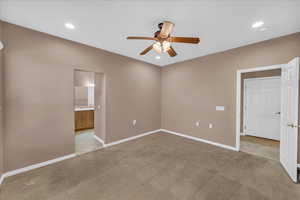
289, 117
262, 107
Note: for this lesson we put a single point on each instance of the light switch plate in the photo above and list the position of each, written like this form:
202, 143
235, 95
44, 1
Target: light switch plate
1, 45
220, 108
134, 122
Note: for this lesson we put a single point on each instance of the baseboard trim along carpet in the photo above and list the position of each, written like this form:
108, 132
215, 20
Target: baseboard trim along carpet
200, 140
99, 140
38, 165
132, 138
49, 162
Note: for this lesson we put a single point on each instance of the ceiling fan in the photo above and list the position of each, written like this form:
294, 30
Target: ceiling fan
163, 39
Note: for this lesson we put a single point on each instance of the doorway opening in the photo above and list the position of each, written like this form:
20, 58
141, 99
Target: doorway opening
258, 117
260, 113
89, 104
252, 95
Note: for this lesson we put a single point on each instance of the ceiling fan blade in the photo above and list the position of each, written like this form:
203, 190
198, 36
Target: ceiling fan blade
140, 38
166, 29
146, 50
172, 52
191, 40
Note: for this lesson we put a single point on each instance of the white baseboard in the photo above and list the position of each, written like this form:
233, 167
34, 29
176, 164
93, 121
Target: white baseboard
200, 140
1, 179
38, 165
132, 138
42, 164
99, 140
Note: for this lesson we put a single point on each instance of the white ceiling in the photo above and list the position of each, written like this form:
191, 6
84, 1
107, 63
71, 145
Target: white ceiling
104, 24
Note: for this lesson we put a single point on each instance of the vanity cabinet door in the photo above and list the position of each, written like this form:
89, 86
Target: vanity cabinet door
84, 120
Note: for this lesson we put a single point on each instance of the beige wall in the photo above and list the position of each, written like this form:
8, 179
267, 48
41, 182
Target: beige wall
1, 107
192, 89
39, 95
258, 74
39, 92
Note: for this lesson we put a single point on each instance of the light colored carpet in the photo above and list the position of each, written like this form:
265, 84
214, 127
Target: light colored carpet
156, 167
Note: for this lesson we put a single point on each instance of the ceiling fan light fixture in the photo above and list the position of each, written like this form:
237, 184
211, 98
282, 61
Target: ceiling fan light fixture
258, 24
70, 26
157, 47
166, 46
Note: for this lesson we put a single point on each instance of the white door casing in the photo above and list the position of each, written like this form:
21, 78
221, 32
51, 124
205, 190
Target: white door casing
99, 114
262, 107
289, 117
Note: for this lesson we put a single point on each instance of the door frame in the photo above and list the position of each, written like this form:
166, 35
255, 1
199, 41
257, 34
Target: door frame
238, 97
244, 104
103, 107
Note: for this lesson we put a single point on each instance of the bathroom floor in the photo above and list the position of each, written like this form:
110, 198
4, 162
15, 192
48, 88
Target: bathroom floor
85, 141
260, 147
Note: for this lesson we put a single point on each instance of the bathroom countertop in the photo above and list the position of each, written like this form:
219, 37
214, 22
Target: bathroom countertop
83, 108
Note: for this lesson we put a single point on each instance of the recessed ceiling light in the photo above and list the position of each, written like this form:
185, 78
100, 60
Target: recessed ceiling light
69, 26
157, 57
263, 29
257, 24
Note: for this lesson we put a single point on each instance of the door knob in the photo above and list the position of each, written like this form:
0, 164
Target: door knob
277, 113
292, 125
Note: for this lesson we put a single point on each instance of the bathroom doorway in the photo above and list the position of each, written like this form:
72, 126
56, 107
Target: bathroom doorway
89, 129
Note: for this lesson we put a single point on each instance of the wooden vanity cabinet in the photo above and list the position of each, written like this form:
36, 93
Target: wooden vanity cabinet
84, 120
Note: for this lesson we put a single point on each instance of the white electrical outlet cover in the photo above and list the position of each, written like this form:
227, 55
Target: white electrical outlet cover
210, 125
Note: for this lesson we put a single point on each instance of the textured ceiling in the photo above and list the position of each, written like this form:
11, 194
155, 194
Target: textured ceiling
104, 24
